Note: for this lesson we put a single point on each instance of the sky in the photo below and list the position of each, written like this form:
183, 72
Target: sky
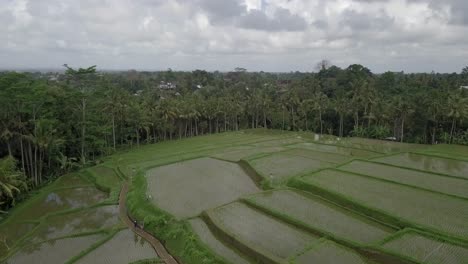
259, 35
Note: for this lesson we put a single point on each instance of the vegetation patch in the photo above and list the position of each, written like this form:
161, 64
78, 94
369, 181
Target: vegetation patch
320, 216
428, 181
187, 188
390, 202
441, 165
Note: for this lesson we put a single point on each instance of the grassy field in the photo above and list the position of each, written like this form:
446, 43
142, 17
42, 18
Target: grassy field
255, 196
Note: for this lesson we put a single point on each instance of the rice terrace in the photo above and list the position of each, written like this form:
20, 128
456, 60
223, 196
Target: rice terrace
252, 196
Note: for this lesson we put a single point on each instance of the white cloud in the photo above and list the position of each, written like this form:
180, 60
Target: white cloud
274, 35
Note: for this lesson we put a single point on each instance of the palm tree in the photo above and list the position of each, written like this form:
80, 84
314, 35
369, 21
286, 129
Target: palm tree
341, 107
457, 110
12, 181
320, 103
404, 109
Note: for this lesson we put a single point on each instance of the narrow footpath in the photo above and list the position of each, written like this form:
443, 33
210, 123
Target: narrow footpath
155, 243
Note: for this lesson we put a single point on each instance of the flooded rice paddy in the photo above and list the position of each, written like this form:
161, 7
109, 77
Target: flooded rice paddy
187, 188
125, 247
327, 252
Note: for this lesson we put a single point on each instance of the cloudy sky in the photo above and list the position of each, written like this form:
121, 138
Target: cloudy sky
269, 35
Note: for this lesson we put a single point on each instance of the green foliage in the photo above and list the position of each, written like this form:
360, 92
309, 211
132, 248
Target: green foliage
12, 182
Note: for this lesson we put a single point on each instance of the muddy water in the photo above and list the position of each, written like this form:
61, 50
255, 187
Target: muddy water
207, 237
428, 163
329, 252
261, 232
61, 200
123, 248
82, 221
10, 233
187, 188
51, 252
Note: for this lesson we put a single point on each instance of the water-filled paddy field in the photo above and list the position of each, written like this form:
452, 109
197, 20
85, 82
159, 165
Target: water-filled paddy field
254, 196
187, 188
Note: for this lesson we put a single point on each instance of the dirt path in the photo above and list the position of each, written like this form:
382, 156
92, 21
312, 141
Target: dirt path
155, 243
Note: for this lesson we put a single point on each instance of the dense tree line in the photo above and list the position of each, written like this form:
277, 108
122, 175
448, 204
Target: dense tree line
49, 126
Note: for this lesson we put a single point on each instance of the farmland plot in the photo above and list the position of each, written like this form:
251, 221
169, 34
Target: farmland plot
207, 237
53, 252
123, 248
435, 211
187, 188
335, 149
61, 199
318, 214
426, 249
317, 155
78, 222
428, 163
11, 232
327, 252
260, 232
380, 145
280, 166
429, 181
238, 154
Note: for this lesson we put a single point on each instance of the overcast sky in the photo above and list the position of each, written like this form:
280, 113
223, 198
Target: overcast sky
268, 35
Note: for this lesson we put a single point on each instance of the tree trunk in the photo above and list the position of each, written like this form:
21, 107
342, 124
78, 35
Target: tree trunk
9, 148
452, 130
402, 129
341, 125
22, 155
264, 119
434, 133
321, 123
83, 131
137, 137
113, 129
283, 118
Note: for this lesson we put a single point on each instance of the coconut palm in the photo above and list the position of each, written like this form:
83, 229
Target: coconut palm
457, 106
